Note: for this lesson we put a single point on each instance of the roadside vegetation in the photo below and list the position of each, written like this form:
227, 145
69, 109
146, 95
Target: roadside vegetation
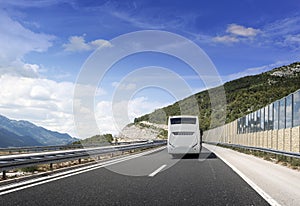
96, 140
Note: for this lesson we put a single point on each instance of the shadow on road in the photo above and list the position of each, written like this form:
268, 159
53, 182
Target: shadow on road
207, 155
202, 155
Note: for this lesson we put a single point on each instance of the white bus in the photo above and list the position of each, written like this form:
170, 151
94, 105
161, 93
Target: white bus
184, 136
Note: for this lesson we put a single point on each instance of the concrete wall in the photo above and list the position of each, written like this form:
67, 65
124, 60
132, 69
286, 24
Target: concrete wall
283, 139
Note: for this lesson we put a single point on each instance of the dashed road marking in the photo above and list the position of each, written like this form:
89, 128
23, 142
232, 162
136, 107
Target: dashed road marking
157, 171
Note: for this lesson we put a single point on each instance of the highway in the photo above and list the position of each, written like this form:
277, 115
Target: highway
151, 179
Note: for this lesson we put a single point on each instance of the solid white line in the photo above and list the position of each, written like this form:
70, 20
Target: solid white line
157, 171
260, 191
43, 180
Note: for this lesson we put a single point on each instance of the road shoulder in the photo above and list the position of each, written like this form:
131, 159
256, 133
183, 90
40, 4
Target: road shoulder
280, 183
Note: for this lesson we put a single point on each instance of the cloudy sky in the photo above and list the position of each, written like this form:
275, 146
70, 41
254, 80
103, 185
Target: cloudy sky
44, 45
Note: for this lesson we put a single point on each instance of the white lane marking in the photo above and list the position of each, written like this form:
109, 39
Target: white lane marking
260, 191
43, 180
157, 171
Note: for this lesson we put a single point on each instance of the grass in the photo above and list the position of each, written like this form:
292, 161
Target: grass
163, 134
29, 169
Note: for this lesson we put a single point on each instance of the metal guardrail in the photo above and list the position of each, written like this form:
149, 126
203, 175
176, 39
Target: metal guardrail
9, 162
38, 148
57, 147
261, 149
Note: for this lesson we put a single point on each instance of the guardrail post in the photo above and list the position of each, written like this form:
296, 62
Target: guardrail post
3, 174
51, 166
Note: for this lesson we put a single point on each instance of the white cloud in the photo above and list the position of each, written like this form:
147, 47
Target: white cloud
292, 41
280, 33
78, 43
44, 102
241, 30
283, 33
16, 41
142, 105
31, 68
112, 117
100, 43
236, 33
40, 93
282, 27
49, 104
124, 86
87, 90
19, 68
225, 39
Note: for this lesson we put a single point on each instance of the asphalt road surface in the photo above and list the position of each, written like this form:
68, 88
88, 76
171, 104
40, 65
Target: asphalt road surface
152, 179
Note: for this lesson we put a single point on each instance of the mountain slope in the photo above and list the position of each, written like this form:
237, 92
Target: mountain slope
23, 133
9, 139
243, 96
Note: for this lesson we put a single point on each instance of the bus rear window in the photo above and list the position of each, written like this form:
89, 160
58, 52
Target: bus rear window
183, 121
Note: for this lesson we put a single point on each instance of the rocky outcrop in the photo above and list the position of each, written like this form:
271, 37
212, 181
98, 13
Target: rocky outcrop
287, 71
143, 131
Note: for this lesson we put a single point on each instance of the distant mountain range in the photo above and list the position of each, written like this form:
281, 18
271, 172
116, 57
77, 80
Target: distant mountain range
243, 96
23, 133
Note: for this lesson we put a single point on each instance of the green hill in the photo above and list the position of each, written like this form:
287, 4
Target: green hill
104, 139
243, 96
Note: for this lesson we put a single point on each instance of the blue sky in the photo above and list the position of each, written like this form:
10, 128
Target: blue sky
45, 43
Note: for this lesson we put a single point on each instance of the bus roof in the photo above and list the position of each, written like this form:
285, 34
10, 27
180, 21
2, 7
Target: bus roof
183, 116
